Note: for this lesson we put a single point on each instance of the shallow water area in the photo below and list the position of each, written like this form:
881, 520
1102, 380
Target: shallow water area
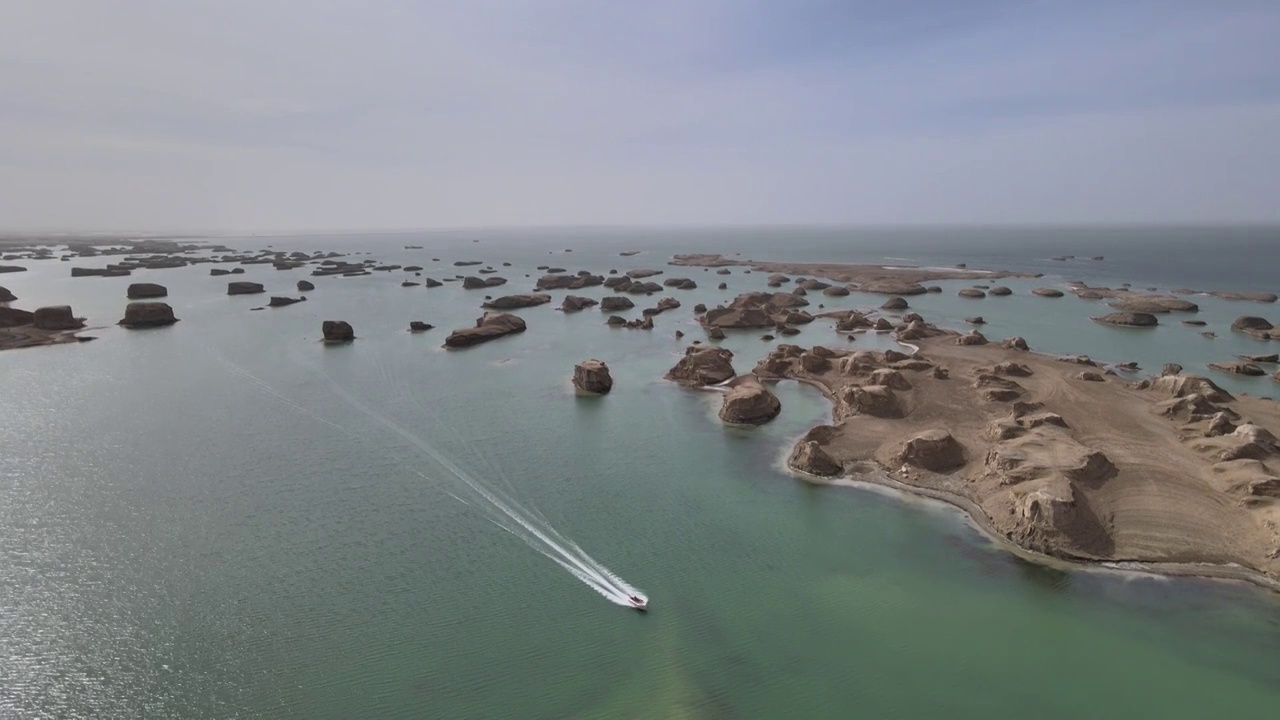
198, 521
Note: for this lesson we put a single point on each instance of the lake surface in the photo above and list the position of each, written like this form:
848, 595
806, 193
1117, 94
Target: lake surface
227, 519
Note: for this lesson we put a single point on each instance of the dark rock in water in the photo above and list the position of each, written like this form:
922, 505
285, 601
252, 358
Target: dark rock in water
722, 286
883, 325
616, 304
592, 376
511, 302
491, 326
408, 283
6, 296
715, 333
472, 282
893, 287
147, 314
748, 402
138, 291
1194, 323
703, 366
894, 303
836, 291
1048, 292
15, 268
431, 283
663, 305
337, 331
616, 320
419, 326
680, 283
13, 317
1128, 319
971, 293
767, 337
999, 291
1255, 326
305, 285
976, 320
1170, 369
237, 271
789, 331
575, 303
241, 287
412, 268
1270, 359
465, 263
643, 273
723, 271
281, 301
699, 309
56, 317
218, 272
1154, 304
1238, 368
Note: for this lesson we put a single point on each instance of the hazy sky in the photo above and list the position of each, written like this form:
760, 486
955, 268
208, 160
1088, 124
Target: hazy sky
290, 114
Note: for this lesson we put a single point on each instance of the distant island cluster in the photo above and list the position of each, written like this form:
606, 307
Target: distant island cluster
1065, 457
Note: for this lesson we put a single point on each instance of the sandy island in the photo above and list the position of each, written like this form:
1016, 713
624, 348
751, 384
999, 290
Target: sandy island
1053, 455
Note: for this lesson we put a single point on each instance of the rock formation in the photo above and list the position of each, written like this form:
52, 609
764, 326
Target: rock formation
305, 285
592, 376
1128, 319
337, 331
243, 287
576, 303
138, 291
748, 402
1048, 292
56, 317
147, 315
616, 303
490, 326
418, 326
703, 366
512, 302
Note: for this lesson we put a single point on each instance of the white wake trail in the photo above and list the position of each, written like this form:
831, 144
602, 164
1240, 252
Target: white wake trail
545, 539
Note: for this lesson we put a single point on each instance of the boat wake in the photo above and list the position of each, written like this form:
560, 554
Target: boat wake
526, 523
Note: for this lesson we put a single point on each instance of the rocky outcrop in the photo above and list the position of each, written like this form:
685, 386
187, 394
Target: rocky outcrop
894, 303
1154, 304
1255, 326
13, 317
512, 302
1048, 292
999, 291
680, 283
305, 285
490, 326
243, 287
138, 291
809, 457
568, 282
56, 317
973, 293
932, 450
418, 326
1180, 386
337, 331
892, 287
973, 337
1238, 368
576, 303
616, 303
431, 283
1128, 319
874, 400
6, 296
702, 366
749, 402
147, 315
592, 376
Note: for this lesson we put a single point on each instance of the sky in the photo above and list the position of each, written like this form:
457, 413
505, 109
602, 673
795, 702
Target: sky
283, 115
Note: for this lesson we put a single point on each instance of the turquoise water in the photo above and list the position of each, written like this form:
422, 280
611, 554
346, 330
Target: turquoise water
195, 522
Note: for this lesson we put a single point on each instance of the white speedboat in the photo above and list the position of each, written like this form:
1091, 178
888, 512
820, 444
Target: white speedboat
639, 603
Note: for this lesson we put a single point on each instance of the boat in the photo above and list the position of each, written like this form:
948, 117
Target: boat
639, 603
